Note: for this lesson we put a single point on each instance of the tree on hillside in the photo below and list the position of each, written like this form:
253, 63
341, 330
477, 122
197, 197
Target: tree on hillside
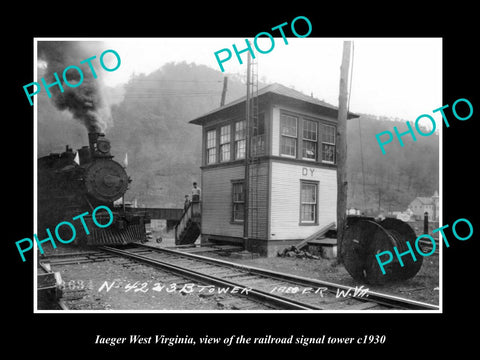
152, 125
392, 180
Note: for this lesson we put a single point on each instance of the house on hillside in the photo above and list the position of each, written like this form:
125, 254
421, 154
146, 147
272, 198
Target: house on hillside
421, 204
286, 190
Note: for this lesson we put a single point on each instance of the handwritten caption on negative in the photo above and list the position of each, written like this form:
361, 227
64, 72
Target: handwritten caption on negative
143, 287
187, 288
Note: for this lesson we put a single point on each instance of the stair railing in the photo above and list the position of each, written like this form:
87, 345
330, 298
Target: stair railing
191, 214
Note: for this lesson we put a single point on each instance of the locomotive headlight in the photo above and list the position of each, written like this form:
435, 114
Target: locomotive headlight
103, 146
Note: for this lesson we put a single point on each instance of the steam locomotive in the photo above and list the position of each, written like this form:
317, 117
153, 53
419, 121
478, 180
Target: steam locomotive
73, 183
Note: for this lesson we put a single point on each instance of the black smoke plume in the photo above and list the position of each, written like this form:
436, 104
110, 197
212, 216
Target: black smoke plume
86, 102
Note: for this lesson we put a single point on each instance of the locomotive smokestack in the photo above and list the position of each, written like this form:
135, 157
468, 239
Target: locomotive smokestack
92, 139
86, 101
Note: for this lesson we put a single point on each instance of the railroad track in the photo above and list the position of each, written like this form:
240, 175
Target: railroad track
275, 289
74, 258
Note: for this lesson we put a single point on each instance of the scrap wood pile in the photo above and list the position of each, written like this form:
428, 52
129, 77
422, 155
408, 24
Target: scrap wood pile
293, 251
296, 250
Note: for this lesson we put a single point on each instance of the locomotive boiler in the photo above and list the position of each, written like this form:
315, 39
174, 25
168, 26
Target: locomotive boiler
72, 183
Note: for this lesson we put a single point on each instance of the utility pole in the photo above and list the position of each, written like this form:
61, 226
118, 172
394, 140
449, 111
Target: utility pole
341, 151
224, 91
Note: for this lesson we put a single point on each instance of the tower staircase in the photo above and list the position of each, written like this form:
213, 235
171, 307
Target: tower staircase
188, 228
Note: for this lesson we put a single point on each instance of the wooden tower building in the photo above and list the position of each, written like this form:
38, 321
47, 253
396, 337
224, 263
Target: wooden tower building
290, 175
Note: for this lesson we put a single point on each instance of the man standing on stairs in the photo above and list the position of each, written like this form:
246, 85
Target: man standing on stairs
196, 191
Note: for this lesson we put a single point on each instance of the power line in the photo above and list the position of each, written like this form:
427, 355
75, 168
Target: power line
174, 92
146, 96
180, 81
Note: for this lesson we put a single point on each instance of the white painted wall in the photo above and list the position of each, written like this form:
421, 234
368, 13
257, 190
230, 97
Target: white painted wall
285, 199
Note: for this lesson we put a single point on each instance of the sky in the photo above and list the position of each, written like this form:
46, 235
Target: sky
395, 77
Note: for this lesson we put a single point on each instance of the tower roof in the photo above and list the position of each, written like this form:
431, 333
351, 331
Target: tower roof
278, 92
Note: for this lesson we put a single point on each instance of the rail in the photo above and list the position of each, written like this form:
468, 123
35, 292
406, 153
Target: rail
262, 296
390, 301
261, 281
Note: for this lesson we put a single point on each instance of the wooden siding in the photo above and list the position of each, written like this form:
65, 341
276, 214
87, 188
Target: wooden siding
304, 112
285, 199
217, 200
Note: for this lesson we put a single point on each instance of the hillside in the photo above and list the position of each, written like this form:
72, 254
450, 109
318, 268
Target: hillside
151, 114
392, 180
151, 124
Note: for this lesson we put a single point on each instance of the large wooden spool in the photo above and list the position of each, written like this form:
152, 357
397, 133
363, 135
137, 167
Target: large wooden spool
364, 238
